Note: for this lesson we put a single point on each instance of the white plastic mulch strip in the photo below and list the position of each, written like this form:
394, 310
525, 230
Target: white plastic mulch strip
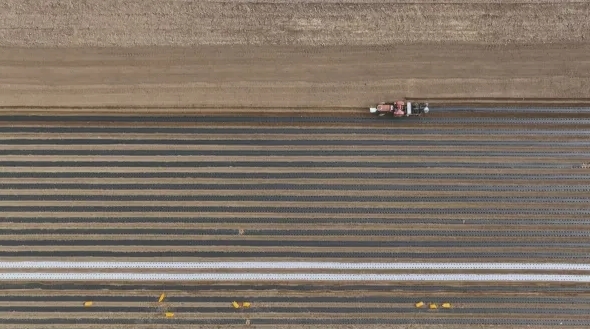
28, 276
294, 265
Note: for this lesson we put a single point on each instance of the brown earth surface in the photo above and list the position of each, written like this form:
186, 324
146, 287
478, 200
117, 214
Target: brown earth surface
51, 23
289, 76
293, 58
289, 53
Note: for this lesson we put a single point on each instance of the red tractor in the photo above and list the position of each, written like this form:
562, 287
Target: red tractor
400, 109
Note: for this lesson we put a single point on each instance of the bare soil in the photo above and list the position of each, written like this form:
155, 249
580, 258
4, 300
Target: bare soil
250, 56
289, 53
50, 23
287, 76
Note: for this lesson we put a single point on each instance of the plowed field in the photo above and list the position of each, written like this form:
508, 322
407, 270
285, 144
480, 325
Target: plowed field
237, 130
447, 188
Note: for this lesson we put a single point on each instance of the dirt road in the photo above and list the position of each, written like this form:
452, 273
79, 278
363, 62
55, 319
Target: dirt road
286, 76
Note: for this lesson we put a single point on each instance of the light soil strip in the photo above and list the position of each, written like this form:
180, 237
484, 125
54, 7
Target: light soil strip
311, 193
294, 207
378, 146
257, 136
